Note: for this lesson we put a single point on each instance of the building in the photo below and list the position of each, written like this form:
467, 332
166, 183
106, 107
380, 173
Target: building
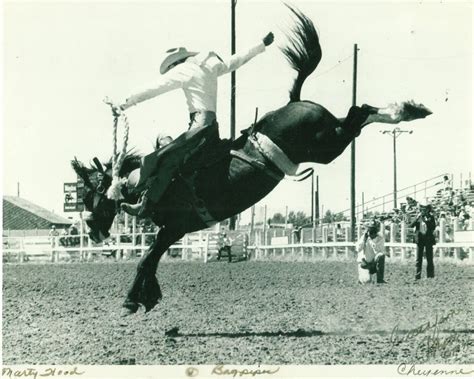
22, 217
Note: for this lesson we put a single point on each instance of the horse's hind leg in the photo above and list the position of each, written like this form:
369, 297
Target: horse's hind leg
357, 118
398, 112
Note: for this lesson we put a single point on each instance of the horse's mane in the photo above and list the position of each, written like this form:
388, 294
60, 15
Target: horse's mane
303, 51
130, 163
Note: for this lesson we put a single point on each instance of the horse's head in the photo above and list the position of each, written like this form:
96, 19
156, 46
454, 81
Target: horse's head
101, 211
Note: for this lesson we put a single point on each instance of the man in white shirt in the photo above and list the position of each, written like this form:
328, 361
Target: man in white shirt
371, 251
197, 74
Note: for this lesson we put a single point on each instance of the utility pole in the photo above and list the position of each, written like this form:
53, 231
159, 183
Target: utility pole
316, 200
232, 74
396, 132
313, 218
353, 190
232, 220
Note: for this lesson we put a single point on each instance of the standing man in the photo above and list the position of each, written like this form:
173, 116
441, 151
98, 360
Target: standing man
425, 225
371, 251
196, 74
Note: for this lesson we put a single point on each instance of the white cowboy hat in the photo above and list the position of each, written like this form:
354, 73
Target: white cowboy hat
174, 55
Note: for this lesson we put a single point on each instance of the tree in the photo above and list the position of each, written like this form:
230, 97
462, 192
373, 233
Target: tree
330, 217
298, 219
277, 218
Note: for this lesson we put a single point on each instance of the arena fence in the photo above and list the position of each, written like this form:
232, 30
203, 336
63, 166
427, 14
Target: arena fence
202, 246
326, 242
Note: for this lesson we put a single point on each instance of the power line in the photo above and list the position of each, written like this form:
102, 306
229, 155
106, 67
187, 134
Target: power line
378, 54
341, 61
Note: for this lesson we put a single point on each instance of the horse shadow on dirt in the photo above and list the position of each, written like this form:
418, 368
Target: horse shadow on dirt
174, 333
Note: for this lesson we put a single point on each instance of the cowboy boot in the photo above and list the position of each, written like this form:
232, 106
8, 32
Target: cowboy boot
380, 265
139, 209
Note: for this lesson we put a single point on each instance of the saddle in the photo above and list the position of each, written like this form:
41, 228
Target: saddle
187, 153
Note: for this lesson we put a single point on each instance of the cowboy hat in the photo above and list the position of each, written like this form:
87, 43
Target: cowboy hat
174, 55
424, 203
373, 225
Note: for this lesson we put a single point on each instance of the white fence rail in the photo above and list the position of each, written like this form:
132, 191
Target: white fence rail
23, 249
201, 245
453, 251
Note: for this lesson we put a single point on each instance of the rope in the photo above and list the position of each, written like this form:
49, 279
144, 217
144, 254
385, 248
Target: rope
115, 190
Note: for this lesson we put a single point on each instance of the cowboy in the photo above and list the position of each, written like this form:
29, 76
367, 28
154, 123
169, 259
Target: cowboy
197, 74
425, 226
371, 251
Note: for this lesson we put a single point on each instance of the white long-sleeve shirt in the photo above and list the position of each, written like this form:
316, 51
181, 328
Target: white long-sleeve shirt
370, 248
197, 76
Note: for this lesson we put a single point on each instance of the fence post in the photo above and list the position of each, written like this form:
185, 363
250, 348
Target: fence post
325, 240
21, 257
81, 239
52, 244
206, 246
134, 235
201, 248
359, 230
442, 236
393, 236
347, 238
457, 250
315, 236
292, 240
184, 249
334, 239
143, 244
403, 238
57, 251
119, 244
89, 252
256, 236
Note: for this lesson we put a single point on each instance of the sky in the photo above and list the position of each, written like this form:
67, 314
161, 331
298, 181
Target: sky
62, 58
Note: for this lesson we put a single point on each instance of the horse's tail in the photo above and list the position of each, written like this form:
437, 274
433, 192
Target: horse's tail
303, 51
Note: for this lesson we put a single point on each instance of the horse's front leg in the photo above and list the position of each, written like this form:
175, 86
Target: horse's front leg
145, 289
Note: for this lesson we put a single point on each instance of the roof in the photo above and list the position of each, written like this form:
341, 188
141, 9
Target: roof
14, 218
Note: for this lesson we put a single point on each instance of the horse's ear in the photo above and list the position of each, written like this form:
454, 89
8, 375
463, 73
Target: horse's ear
98, 165
81, 171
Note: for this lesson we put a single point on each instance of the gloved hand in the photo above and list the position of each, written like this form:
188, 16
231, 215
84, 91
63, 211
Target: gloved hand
116, 109
268, 39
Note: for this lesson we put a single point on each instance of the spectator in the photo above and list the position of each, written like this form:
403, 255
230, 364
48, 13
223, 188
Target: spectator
63, 241
74, 240
224, 245
371, 251
297, 233
447, 185
463, 218
424, 238
53, 233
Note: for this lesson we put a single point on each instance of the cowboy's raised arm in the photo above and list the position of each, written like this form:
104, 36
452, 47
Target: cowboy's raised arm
239, 59
172, 80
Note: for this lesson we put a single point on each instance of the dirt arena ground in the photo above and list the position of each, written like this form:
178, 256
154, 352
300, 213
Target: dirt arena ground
238, 313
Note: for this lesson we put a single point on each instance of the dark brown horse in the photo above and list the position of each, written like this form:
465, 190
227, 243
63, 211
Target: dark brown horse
215, 187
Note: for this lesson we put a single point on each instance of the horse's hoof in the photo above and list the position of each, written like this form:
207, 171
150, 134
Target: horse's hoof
129, 308
149, 306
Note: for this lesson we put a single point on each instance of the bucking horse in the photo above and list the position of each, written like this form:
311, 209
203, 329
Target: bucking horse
218, 184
